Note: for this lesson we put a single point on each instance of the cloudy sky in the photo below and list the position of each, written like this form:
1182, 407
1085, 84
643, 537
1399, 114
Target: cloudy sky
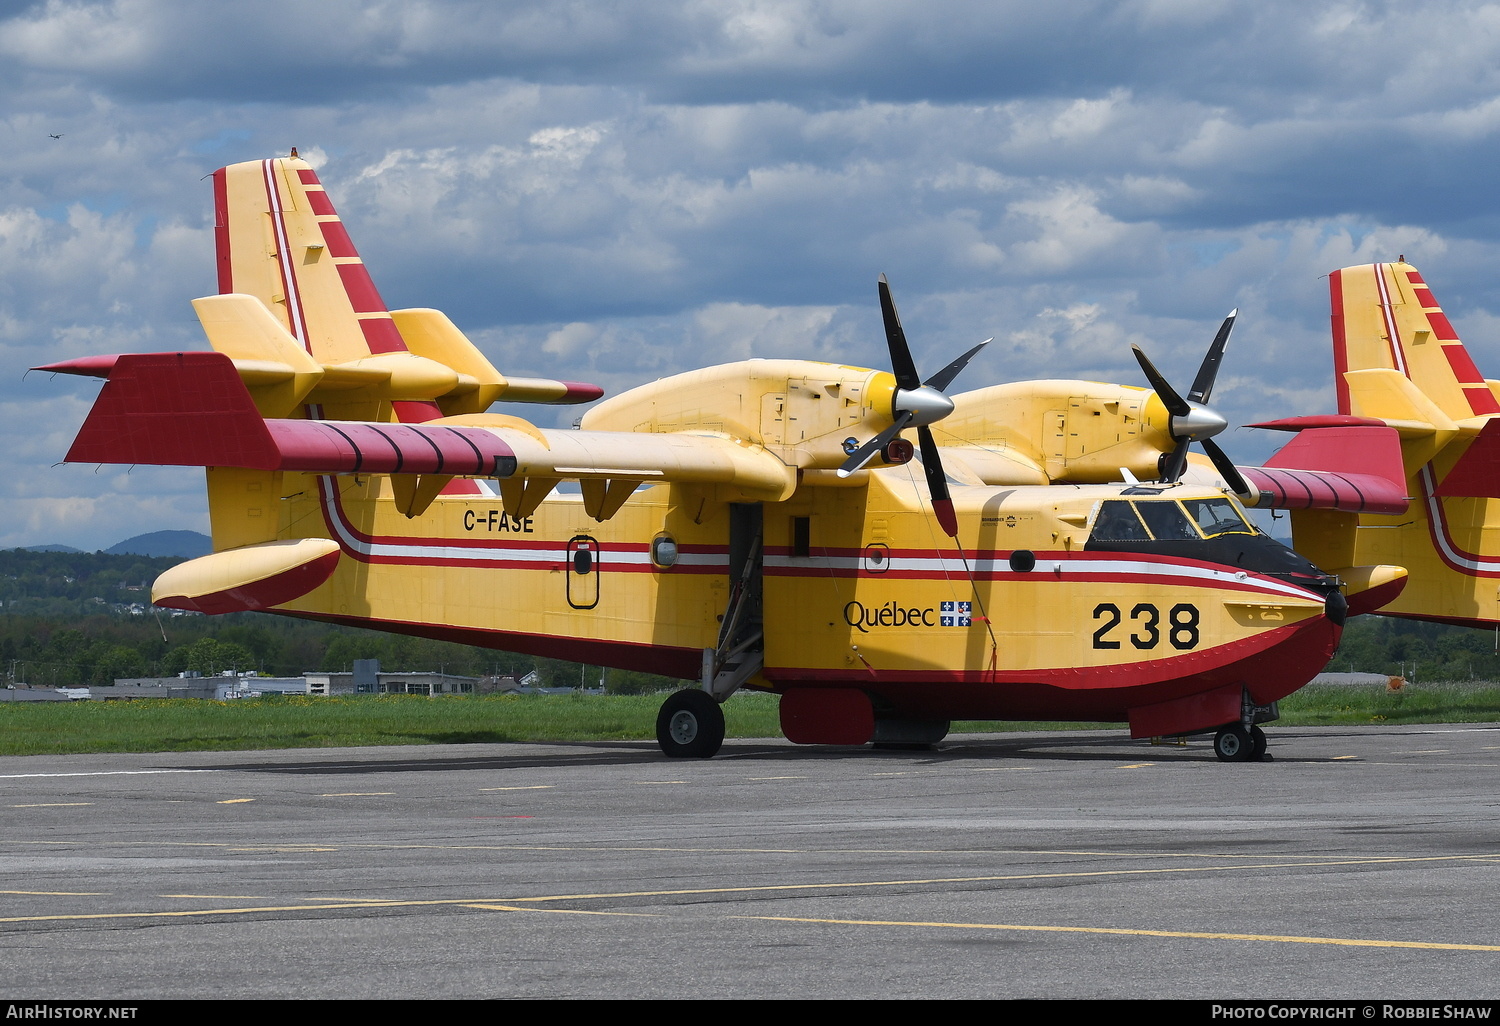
618, 191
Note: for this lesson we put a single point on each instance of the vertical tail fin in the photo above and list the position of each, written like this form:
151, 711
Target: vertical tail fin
1386, 319
279, 239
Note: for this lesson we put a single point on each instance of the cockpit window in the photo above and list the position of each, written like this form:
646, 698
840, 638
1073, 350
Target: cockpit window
1117, 522
1166, 521
1217, 516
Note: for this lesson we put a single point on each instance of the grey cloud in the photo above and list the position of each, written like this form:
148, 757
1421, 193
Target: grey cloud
621, 192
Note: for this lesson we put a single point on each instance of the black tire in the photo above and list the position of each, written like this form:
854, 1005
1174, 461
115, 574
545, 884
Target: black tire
1234, 744
690, 725
1257, 744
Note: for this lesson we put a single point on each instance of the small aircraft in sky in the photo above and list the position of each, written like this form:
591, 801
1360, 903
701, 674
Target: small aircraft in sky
1399, 365
1047, 550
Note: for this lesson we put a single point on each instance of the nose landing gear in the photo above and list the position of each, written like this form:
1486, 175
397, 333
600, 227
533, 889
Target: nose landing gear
1235, 743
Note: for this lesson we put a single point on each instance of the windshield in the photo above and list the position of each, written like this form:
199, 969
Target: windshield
1216, 516
1165, 520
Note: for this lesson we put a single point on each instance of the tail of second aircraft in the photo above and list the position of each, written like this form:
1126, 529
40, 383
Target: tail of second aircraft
1399, 362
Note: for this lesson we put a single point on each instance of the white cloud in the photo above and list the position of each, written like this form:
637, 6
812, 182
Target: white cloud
626, 191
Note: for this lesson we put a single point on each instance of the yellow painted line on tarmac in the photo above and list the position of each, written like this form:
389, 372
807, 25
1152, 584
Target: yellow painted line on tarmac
1136, 765
312, 848
833, 885
1336, 758
1352, 942
564, 911
51, 805
219, 897
235, 801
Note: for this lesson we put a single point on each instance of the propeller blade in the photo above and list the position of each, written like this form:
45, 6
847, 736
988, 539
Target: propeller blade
1226, 468
937, 482
1174, 463
902, 364
943, 378
1176, 405
1203, 384
865, 453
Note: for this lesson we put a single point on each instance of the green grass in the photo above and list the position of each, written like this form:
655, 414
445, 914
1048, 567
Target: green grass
196, 725
193, 725
1441, 702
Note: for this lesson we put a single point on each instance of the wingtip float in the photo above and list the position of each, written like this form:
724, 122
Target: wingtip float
751, 525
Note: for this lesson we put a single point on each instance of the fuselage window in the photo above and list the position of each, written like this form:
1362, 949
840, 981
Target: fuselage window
1166, 521
1117, 522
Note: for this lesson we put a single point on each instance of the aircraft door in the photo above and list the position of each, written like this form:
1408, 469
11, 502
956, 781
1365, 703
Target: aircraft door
583, 572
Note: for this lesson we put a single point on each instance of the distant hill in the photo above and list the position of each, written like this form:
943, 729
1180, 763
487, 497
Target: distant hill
49, 548
186, 544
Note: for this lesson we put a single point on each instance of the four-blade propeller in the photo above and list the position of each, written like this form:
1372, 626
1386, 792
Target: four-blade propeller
1192, 420
915, 403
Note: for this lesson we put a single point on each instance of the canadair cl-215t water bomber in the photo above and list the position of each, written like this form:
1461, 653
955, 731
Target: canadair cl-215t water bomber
762, 524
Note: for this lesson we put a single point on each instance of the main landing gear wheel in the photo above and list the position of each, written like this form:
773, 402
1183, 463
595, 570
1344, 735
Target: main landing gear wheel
690, 725
1258, 745
1235, 744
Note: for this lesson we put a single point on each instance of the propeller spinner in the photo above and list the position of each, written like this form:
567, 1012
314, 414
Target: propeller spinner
915, 403
1192, 420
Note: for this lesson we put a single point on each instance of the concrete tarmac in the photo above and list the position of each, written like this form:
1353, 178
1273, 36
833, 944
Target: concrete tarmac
1362, 863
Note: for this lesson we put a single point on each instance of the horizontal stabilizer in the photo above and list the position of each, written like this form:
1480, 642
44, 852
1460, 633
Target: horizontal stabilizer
1355, 468
251, 578
192, 410
1477, 472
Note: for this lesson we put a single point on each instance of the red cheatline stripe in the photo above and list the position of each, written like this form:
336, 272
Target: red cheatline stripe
381, 336
1340, 353
360, 289
288, 273
1463, 365
1481, 399
222, 255
1441, 329
337, 238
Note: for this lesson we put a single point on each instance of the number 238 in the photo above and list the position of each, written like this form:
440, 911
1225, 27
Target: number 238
1145, 618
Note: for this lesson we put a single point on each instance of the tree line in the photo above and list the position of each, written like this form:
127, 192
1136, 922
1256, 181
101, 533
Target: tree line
72, 619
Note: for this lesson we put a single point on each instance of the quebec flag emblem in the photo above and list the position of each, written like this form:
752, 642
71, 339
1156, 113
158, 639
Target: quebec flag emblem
953, 614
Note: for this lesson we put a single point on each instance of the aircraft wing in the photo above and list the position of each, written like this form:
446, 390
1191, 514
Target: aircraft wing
192, 409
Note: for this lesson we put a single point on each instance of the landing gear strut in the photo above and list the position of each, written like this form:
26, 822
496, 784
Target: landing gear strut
690, 725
